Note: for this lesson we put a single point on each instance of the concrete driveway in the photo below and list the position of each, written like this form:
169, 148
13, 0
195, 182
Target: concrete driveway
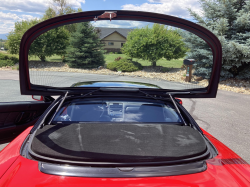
225, 117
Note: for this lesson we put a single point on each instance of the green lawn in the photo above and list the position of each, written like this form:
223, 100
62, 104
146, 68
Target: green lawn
54, 58
163, 62
6, 53
111, 57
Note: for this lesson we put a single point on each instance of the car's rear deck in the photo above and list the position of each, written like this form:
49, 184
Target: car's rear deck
118, 142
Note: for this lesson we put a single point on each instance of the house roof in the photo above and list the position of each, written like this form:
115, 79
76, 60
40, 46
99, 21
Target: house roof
106, 31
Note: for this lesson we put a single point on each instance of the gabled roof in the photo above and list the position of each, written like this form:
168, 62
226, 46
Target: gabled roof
106, 31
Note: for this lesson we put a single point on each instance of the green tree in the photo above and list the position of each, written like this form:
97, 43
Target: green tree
52, 42
62, 7
229, 20
85, 49
6, 47
15, 36
58, 8
154, 43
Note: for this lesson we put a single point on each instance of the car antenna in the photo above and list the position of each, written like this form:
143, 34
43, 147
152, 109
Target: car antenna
177, 109
59, 106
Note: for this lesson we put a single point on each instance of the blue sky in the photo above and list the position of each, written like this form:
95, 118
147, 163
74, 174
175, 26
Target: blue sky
17, 10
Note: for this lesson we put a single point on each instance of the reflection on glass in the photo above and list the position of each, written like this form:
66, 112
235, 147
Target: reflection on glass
117, 111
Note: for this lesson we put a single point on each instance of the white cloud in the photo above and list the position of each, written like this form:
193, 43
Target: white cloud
76, 3
170, 7
7, 21
33, 6
8, 17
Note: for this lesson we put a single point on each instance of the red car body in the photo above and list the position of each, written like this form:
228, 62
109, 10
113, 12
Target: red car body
226, 169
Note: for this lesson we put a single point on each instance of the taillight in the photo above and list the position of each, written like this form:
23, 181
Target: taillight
179, 100
38, 97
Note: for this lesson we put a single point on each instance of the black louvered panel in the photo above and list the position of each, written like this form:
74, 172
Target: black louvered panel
3, 117
26, 117
11, 118
16, 117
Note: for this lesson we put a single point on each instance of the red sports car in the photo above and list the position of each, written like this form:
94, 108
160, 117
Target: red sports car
112, 130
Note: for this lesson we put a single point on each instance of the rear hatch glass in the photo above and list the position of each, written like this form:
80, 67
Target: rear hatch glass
117, 111
152, 52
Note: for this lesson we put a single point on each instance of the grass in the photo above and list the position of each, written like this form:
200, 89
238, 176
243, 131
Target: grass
6, 53
54, 58
111, 57
163, 62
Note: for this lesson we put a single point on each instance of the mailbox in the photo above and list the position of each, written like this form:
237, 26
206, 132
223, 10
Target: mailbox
189, 66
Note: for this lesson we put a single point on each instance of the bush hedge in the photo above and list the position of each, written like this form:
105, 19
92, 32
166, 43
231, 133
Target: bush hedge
124, 65
4, 63
7, 60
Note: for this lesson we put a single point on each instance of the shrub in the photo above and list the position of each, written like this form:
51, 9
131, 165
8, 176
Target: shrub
165, 69
111, 53
7, 60
14, 59
124, 65
3, 57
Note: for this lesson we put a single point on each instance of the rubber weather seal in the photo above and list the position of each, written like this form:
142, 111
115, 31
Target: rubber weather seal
122, 172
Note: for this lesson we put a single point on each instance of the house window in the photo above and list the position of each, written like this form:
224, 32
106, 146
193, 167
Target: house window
111, 43
122, 44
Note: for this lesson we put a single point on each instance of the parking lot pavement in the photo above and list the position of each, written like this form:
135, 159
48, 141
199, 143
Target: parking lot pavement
10, 88
2, 146
225, 117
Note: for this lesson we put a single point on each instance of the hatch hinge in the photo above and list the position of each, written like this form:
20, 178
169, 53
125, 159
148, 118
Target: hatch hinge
106, 14
59, 106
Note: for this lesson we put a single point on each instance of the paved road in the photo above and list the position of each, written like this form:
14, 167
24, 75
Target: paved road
226, 117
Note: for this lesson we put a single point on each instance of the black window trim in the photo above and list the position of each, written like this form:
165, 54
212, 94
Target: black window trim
28, 88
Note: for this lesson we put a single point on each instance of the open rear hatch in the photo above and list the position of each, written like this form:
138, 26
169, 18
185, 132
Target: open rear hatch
58, 80
119, 143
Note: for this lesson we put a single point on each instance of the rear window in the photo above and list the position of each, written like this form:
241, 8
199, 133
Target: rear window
130, 50
117, 111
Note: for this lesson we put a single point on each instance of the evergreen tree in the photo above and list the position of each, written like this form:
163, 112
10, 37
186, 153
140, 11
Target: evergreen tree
229, 20
85, 49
